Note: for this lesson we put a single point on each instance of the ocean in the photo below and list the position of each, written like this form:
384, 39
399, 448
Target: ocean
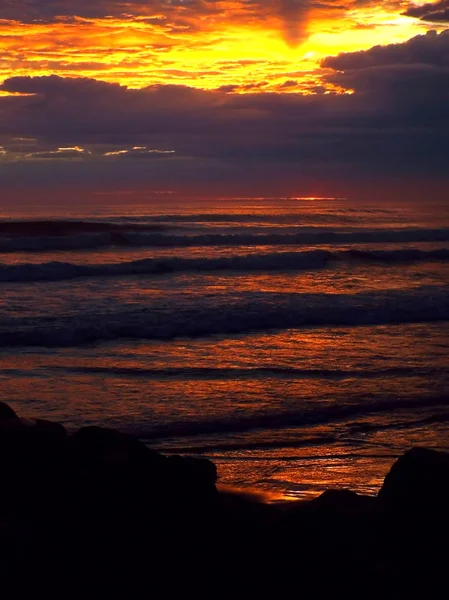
301, 344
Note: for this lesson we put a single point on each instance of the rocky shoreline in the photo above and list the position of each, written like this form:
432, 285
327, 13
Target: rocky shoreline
98, 514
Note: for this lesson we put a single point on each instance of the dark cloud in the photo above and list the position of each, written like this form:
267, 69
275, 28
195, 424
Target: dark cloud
47, 10
437, 12
30, 11
395, 125
58, 86
403, 86
430, 49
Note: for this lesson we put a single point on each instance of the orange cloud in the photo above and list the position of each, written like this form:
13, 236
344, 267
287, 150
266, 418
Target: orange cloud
239, 45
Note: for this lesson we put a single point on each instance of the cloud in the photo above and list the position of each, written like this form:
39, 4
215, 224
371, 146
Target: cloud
437, 12
294, 15
198, 43
58, 86
42, 10
402, 88
410, 80
394, 125
47, 10
430, 49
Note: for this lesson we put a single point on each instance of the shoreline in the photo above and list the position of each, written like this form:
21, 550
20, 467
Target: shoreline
101, 511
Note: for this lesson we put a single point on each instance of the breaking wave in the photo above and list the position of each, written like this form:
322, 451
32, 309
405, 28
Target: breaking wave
279, 261
228, 316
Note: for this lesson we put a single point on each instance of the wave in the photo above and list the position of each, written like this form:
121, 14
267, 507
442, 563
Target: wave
61, 227
286, 218
189, 373
279, 261
316, 415
144, 235
47, 235
68, 227
230, 315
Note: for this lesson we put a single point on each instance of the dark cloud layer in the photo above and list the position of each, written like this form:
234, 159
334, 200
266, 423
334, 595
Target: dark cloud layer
395, 125
430, 49
47, 10
409, 82
437, 12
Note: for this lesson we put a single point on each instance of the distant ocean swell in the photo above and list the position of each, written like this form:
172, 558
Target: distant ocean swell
313, 259
126, 236
229, 315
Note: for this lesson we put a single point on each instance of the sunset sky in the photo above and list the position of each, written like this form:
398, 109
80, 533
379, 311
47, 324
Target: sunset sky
237, 96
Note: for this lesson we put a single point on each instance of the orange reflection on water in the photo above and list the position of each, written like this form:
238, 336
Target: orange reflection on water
305, 477
265, 407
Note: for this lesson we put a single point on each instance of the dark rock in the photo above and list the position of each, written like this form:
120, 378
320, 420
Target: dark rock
417, 482
344, 503
24, 430
413, 521
115, 473
9, 421
107, 513
6, 412
49, 429
127, 467
193, 474
100, 446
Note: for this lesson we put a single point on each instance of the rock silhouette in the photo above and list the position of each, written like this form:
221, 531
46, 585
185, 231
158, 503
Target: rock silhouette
418, 480
98, 514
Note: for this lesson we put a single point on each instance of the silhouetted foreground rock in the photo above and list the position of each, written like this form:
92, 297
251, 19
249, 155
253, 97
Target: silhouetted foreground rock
418, 480
97, 514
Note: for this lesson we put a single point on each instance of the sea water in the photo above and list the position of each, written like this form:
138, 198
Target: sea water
300, 344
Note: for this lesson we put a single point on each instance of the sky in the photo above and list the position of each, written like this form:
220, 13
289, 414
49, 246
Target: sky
261, 97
